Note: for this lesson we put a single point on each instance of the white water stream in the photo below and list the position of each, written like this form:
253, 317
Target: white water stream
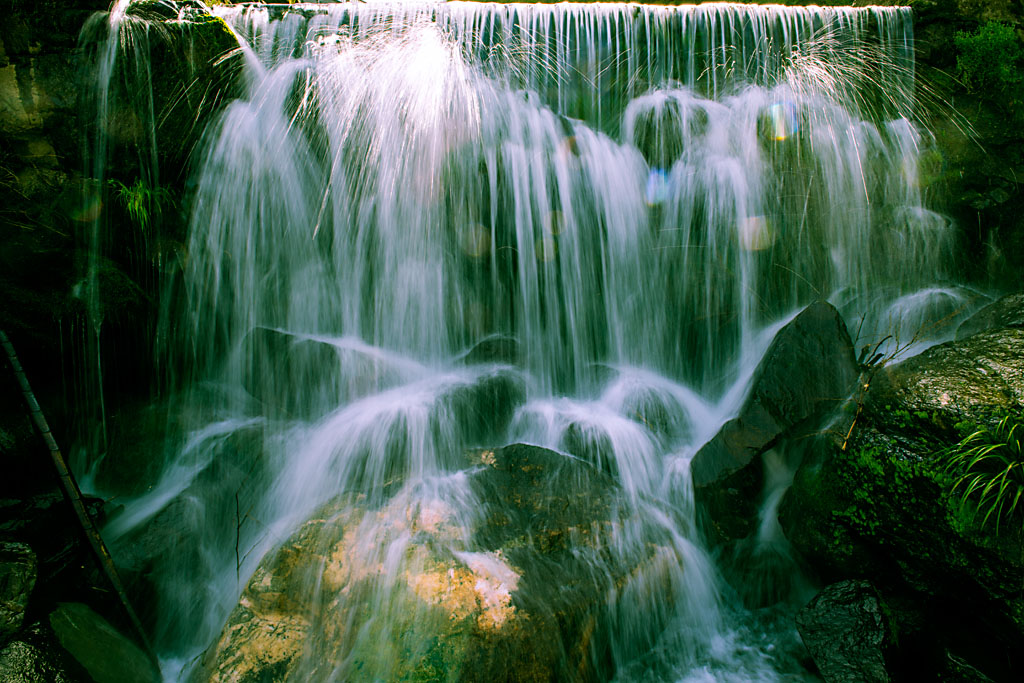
639, 196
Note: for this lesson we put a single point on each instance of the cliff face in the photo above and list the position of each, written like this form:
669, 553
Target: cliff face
40, 198
40, 162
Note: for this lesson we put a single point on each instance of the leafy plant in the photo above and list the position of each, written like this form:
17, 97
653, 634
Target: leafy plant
141, 201
991, 63
988, 466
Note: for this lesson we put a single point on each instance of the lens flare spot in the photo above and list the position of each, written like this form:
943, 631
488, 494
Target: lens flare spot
554, 223
783, 122
546, 249
89, 209
475, 240
755, 233
657, 187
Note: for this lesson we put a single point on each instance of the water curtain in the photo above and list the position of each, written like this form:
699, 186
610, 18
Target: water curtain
430, 229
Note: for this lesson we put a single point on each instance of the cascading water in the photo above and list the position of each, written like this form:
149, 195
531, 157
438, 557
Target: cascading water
590, 219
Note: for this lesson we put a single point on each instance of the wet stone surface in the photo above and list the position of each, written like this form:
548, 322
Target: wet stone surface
395, 593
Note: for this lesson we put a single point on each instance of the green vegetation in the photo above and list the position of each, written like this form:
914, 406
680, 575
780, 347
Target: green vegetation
870, 475
989, 469
991, 64
142, 202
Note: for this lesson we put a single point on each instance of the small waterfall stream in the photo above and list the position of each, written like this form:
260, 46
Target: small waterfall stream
426, 228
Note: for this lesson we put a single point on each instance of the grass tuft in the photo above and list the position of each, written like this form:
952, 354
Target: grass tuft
988, 466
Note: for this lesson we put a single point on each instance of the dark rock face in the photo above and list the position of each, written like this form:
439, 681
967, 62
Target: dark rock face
47, 524
846, 634
807, 371
198, 59
521, 605
332, 374
1006, 312
17, 579
31, 662
878, 504
40, 163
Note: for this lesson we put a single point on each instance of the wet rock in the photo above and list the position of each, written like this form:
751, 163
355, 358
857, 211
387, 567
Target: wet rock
102, 650
135, 452
846, 633
48, 525
484, 408
230, 465
806, 372
497, 348
38, 659
396, 593
17, 579
199, 65
281, 363
589, 442
35, 656
879, 502
296, 375
299, 376
1006, 312
924, 397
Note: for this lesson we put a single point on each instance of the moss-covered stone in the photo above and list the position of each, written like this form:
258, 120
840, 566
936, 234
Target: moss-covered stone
102, 650
877, 503
390, 597
193, 63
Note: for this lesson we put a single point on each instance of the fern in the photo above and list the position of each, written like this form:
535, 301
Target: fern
141, 202
988, 466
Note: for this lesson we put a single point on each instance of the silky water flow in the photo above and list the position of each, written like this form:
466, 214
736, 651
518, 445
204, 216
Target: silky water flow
427, 230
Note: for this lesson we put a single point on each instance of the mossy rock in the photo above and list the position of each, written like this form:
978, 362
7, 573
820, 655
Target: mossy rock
194, 63
101, 649
401, 593
878, 503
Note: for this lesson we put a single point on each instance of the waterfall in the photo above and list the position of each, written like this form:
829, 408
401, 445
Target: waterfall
424, 228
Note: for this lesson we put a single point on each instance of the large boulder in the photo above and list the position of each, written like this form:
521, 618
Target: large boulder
35, 656
873, 498
846, 633
807, 371
401, 593
101, 649
1006, 312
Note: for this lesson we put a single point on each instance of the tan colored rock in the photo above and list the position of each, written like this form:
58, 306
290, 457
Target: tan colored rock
398, 593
